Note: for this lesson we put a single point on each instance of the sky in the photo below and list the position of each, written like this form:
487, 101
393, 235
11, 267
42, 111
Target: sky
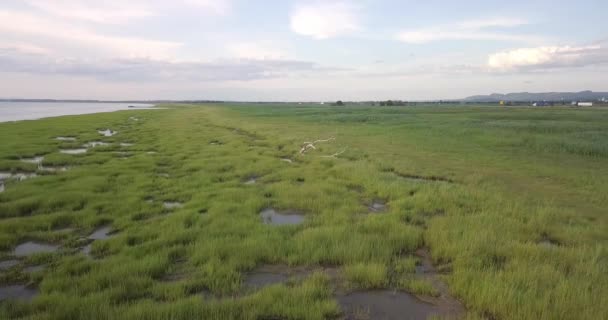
301, 50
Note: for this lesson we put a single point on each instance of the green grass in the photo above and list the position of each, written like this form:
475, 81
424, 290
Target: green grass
504, 181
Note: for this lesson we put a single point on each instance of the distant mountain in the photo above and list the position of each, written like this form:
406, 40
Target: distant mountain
542, 96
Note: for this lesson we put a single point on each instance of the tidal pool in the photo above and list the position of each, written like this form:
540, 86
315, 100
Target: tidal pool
73, 151
385, 304
29, 248
286, 217
17, 292
107, 132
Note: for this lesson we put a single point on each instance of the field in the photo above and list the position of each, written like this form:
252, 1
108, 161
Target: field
505, 208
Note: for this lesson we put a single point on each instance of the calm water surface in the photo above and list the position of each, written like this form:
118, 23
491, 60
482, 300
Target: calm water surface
15, 111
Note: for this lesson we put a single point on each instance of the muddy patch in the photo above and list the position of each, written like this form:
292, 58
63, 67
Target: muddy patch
268, 275
419, 178
17, 292
29, 248
34, 269
101, 233
172, 205
385, 304
107, 132
444, 302
7, 264
73, 151
285, 217
377, 206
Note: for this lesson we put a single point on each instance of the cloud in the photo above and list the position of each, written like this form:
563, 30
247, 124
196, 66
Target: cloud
121, 11
255, 50
57, 33
548, 57
323, 20
149, 70
484, 29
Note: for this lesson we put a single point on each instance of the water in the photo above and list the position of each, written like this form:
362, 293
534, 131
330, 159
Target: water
30, 247
289, 217
7, 264
73, 151
385, 304
172, 205
15, 111
93, 144
107, 132
17, 292
101, 233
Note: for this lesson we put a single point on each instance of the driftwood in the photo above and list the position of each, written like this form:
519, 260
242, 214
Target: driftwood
306, 146
335, 155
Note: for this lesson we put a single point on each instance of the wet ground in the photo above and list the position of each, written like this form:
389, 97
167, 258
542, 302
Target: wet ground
101, 233
7, 264
30, 248
107, 132
65, 138
172, 205
73, 151
17, 292
268, 275
377, 206
285, 217
93, 144
385, 305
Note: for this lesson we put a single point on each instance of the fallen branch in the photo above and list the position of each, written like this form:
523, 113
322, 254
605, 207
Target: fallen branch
311, 145
335, 155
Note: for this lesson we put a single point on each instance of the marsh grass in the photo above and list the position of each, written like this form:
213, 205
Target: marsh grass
505, 179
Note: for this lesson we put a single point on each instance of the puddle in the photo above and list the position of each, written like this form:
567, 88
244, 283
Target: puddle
273, 274
34, 269
386, 304
287, 160
101, 233
65, 138
286, 217
53, 169
107, 132
445, 302
86, 250
172, 205
17, 292
7, 264
93, 144
251, 180
377, 206
20, 176
73, 151
125, 144
30, 248
34, 160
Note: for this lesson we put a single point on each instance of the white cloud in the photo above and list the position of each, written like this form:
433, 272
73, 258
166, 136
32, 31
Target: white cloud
111, 12
59, 34
255, 50
548, 57
467, 30
323, 20
122, 11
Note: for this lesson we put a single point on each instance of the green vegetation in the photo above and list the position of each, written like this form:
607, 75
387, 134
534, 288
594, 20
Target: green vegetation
511, 204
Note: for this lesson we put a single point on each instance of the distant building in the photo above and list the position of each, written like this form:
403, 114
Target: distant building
585, 104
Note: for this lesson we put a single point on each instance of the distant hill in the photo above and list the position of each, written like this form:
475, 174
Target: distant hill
542, 96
